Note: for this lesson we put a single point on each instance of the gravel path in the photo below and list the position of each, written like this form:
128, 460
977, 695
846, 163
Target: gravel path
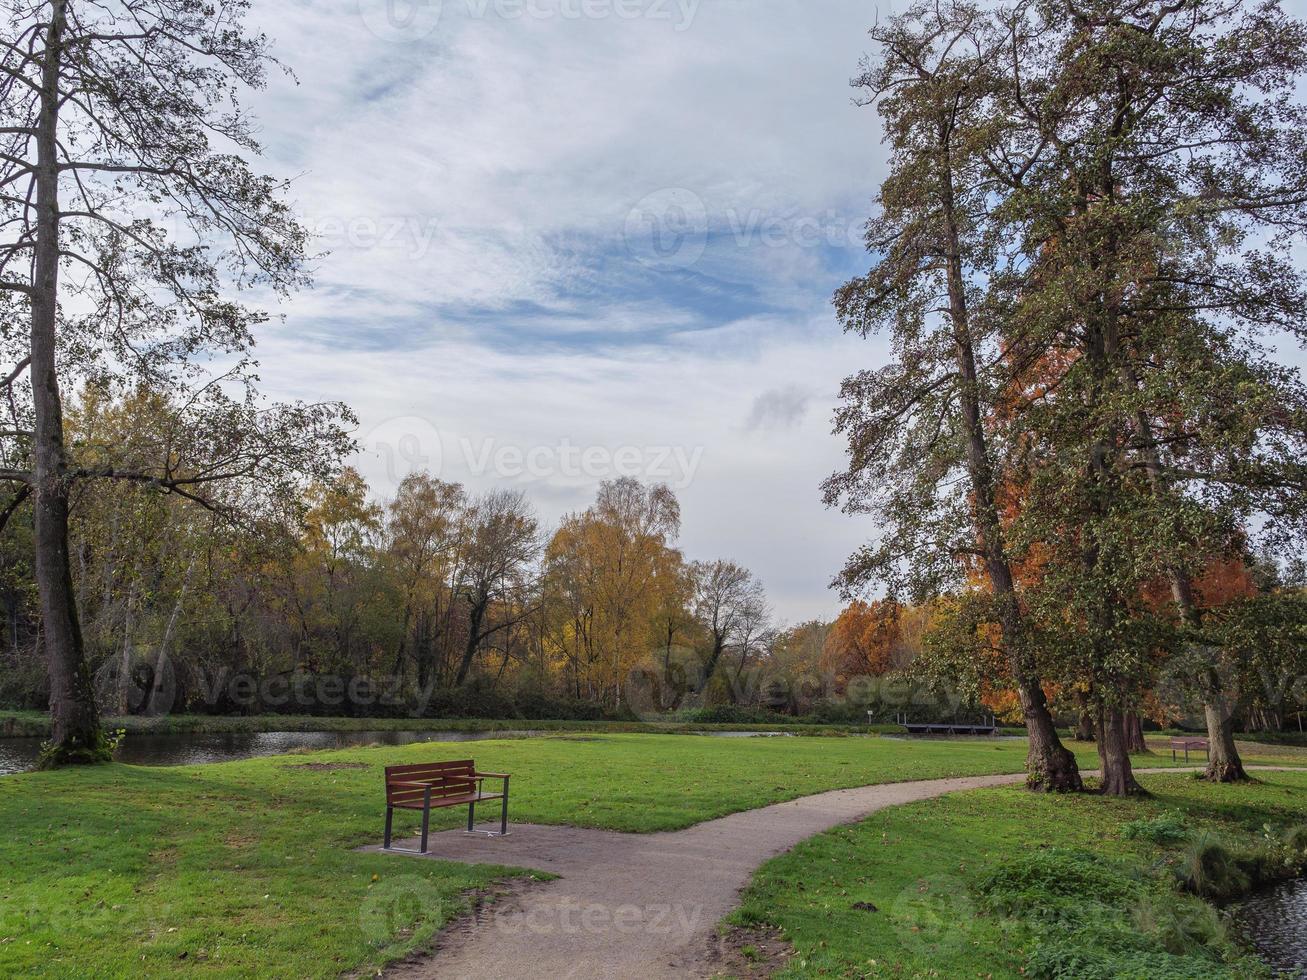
635, 905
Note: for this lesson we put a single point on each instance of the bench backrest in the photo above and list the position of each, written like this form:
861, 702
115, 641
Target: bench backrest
445, 779
1188, 743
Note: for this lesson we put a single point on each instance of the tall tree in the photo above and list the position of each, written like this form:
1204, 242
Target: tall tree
607, 569
120, 121
1158, 221
920, 457
423, 525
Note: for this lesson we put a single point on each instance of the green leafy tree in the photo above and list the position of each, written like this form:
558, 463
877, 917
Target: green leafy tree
131, 217
922, 459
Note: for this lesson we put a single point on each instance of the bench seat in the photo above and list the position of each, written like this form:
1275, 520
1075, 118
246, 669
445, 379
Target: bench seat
433, 785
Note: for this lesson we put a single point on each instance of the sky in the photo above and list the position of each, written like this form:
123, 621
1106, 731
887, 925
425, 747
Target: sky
569, 240
577, 239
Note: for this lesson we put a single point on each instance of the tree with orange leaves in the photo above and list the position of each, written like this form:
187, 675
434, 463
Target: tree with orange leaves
864, 640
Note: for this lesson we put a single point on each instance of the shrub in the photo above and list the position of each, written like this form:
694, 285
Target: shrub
1209, 868
1069, 959
1295, 838
1182, 925
1063, 885
1168, 828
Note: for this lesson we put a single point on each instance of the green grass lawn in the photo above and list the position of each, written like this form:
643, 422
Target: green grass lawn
903, 894
247, 867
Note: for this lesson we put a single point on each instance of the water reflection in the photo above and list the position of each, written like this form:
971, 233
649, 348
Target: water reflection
1275, 923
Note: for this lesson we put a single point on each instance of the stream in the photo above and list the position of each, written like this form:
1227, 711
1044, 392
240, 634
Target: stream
1274, 923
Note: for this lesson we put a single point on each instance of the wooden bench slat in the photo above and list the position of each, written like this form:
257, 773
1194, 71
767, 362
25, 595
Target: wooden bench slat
419, 804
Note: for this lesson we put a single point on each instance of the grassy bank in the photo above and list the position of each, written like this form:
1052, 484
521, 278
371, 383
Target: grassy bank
1003, 884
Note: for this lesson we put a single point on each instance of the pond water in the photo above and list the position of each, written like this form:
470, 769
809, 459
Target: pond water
1274, 922
186, 749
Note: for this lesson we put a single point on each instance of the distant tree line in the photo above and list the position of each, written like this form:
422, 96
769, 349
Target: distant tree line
434, 590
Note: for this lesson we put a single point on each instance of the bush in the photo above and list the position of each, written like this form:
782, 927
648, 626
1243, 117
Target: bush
733, 714
1211, 869
1090, 918
1295, 838
1066, 959
1060, 885
1182, 925
1169, 828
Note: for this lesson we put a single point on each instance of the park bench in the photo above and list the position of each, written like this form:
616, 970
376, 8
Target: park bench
1185, 744
432, 785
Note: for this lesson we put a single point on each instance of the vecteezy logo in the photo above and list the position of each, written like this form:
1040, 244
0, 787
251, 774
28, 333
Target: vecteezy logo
404, 445
668, 228
401, 20
393, 908
932, 916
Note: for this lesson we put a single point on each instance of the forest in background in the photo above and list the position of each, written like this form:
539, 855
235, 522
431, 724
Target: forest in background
442, 603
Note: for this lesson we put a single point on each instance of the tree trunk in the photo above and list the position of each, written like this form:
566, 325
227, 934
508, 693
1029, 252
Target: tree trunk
1133, 733
1085, 724
154, 705
125, 660
1049, 764
1118, 774
1224, 764
475, 616
1085, 727
710, 665
75, 724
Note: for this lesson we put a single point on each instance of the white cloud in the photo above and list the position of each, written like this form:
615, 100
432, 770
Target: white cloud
475, 185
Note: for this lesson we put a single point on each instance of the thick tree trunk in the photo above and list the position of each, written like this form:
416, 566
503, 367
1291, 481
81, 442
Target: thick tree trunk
1049, 764
1224, 764
76, 736
1133, 733
1118, 774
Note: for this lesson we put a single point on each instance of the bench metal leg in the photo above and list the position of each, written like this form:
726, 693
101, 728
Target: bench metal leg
503, 817
426, 827
471, 816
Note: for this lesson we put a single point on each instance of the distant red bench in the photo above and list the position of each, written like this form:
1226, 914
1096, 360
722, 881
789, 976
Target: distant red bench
1185, 744
439, 784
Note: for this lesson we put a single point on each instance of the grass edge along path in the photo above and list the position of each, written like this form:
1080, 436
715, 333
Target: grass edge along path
1004, 884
